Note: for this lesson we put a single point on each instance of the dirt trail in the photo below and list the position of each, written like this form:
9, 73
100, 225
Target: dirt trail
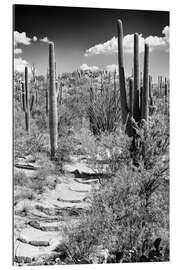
40, 229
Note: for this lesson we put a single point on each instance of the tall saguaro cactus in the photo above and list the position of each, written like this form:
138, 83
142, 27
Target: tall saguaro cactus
52, 101
122, 84
144, 111
27, 111
27, 102
136, 108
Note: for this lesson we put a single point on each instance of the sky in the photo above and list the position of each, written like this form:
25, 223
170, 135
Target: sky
86, 38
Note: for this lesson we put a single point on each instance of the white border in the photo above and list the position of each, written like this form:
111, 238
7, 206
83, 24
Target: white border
6, 125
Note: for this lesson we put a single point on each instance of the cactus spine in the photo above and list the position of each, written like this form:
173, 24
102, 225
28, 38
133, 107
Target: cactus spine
136, 109
124, 108
144, 112
52, 101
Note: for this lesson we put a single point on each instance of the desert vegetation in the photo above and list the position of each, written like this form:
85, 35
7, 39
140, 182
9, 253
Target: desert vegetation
120, 127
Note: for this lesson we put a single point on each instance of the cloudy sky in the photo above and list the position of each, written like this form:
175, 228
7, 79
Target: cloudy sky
87, 38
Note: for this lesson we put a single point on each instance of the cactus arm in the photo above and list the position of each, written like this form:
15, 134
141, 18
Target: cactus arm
32, 103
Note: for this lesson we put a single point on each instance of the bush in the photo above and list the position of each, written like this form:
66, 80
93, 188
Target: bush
123, 215
131, 210
107, 152
20, 179
104, 111
28, 144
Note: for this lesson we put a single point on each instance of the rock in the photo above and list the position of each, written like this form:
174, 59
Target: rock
34, 224
39, 243
22, 240
26, 166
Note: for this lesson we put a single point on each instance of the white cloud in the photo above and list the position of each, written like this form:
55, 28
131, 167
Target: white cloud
19, 64
21, 38
17, 51
45, 40
110, 47
86, 67
166, 32
34, 38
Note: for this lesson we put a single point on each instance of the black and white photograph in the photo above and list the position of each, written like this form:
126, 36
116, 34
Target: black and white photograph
91, 114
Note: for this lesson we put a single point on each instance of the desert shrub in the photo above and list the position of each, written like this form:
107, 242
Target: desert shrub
113, 149
66, 148
123, 215
73, 108
104, 110
40, 181
151, 144
25, 195
86, 142
41, 121
108, 150
20, 179
29, 144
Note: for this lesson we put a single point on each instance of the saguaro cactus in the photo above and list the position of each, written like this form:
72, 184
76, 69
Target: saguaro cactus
27, 111
52, 101
136, 108
34, 82
144, 111
122, 84
23, 96
27, 103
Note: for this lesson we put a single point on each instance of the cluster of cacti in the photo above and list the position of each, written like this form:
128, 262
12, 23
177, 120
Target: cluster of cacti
53, 123
27, 102
138, 90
